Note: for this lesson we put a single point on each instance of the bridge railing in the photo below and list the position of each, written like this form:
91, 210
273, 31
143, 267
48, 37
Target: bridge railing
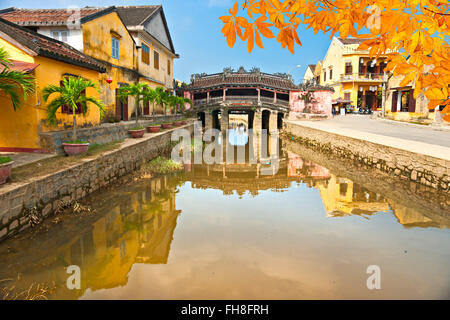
253, 99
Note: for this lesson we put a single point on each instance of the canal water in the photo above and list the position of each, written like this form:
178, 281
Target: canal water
227, 232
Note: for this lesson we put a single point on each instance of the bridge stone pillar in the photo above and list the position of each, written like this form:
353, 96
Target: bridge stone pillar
257, 121
273, 121
208, 120
224, 119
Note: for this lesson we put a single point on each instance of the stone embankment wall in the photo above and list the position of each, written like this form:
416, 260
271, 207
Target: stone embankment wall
422, 169
41, 197
107, 132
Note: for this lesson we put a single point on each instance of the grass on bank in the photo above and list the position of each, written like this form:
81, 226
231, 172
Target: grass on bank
162, 165
5, 160
57, 163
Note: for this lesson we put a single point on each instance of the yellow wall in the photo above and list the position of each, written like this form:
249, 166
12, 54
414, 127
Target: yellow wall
336, 58
161, 75
97, 35
20, 129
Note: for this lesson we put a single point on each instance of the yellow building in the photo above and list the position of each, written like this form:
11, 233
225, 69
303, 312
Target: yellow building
356, 78
401, 105
149, 28
309, 73
49, 61
133, 42
97, 32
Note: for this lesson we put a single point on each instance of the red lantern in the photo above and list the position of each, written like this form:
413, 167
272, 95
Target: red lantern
109, 80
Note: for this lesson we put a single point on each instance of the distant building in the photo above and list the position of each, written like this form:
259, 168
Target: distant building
309, 73
356, 78
401, 105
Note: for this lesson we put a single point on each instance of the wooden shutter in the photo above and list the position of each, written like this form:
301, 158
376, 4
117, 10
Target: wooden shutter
394, 101
125, 110
118, 116
411, 102
346, 95
147, 108
65, 108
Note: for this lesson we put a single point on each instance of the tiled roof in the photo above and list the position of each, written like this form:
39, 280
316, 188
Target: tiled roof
20, 66
312, 67
136, 15
244, 79
48, 47
39, 17
351, 40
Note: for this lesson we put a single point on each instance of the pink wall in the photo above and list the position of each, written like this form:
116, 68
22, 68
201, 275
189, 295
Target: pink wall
187, 94
321, 105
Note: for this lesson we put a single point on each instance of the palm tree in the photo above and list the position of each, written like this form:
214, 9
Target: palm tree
182, 103
71, 94
13, 82
136, 90
162, 98
150, 96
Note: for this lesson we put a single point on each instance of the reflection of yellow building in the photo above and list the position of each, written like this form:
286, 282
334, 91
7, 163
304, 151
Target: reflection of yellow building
136, 227
340, 198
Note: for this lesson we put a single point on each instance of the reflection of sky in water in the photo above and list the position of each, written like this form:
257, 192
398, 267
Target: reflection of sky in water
238, 136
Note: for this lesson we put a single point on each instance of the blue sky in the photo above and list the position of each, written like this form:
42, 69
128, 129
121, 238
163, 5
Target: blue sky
195, 30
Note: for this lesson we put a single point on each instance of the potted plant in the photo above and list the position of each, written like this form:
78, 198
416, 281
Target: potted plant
183, 122
166, 125
71, 94
138, 91
137, 132
153, 128
177, 123
5, 168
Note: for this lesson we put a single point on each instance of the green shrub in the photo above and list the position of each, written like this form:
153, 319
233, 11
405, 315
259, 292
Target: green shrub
5, 160
137, 128
76, 142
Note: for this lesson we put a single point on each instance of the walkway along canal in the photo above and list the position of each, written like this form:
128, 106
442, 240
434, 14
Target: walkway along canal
224, 231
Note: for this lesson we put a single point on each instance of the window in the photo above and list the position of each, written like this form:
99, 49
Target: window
324, 76
331, 73
60, 35
347, 96
115, 48
168, 67
156, 59
145, 54
348, 68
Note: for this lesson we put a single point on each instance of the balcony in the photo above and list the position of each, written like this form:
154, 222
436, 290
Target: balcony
366, 77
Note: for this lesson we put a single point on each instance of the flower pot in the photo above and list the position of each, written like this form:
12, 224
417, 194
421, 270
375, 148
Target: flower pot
154, 129
5, 171
75, 148
177, 123
137, 133
166, 125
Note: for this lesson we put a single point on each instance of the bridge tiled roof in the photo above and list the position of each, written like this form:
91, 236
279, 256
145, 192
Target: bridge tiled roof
242, 79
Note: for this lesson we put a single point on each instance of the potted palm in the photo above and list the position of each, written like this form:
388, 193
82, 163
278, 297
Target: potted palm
71, 94
136, 90
5, 168
150, 96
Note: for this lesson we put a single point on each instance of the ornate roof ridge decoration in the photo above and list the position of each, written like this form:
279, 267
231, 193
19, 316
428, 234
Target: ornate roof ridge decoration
311, 86
242, 77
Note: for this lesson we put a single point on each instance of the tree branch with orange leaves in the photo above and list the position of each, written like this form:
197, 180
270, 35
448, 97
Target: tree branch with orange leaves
414, 34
